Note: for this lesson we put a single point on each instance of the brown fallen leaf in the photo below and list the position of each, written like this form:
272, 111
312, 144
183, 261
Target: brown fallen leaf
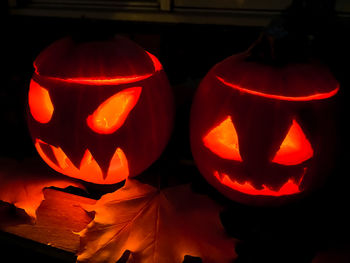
22, 184
155, 226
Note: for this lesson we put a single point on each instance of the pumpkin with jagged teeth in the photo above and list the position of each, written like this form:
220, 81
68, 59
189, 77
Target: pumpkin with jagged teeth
262, 133
99, 110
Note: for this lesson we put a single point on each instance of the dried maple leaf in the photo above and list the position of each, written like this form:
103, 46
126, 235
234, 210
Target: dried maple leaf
155, 226
22, 184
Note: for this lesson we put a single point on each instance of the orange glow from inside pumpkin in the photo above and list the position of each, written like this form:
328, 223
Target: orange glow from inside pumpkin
156, 63
118, 165
89, 169
223, 140
112, 113
289, 188
318, 96
105, 81
295, 147
108, 80
40, 104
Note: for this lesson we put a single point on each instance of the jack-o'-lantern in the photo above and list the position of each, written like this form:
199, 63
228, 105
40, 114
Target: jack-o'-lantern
261, 133
100, 110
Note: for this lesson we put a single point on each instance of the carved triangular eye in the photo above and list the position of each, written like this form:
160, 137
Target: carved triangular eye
295, 147
223, 140
112, 113
40, 104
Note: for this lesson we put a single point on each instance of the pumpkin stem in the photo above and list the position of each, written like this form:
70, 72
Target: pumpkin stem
276, 46
291, 37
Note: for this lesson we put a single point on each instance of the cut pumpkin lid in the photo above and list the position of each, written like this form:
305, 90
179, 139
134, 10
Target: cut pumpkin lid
114, 61
292, 82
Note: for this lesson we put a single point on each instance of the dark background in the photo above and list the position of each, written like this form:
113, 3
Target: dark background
295, 232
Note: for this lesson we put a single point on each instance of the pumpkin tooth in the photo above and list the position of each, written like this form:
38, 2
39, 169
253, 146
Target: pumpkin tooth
118, 166
290, 187
40, 147
89, 167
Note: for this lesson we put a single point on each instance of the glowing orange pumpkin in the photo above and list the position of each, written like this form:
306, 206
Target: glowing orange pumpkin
99, 111
262, 133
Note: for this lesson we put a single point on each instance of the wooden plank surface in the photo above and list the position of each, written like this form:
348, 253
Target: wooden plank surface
59, 217
188, 16
235, 4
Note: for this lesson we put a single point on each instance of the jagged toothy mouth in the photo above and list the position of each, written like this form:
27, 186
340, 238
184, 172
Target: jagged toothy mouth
89, 169
292, 186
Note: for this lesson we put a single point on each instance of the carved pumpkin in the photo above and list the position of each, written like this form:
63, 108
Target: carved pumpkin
99, 111
261, 133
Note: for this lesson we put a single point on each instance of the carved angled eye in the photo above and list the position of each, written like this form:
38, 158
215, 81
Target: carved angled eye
223, 140
112, 113
295, 147
40, 104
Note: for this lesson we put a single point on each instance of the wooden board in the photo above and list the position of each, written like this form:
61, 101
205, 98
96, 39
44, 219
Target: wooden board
59, 217
235, 4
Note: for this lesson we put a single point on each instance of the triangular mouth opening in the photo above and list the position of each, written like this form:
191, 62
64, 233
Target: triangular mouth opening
288, 188
89, 170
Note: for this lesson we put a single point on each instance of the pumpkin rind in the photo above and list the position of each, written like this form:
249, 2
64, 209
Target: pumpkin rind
77, 87
264, 103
